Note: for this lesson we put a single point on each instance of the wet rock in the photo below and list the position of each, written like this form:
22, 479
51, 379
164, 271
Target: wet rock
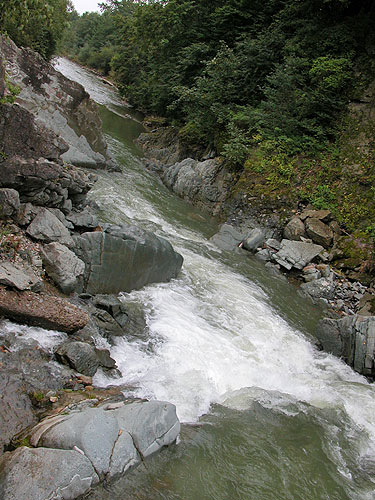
57, 474
273, 244
228, 237
294, 229
105, 359
254, 240
79, 356
125, 258
264, 255
296, 254
46, 311
107, 325
9, 203
47, 227
63, 266
319, 232
351, 338
17, 277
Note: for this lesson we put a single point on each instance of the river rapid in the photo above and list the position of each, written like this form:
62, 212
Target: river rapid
266, 415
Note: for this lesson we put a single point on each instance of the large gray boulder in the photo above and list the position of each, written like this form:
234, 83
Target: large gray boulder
61, 105
322, 288
63, 266
125, 258
351, 338
114, 437
40, 474
17, 276
79, 356
296, 254
47, 227
228, 237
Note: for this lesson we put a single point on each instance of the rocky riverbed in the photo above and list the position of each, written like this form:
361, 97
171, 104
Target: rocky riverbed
59, 265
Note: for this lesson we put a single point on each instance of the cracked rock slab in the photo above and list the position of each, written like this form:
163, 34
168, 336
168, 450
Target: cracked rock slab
42, 473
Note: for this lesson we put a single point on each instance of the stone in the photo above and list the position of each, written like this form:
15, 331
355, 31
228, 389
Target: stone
296, 254
46, 311
125, 258
319, 232
80, 356
56, 474
351, 338
264, 255
47, 227
273, 244
323, 215
83, 220
63, 266
295, 229
254, 240
112, 437
321, 288
9, 203
107, 324
105, 359
17, 277
228, 237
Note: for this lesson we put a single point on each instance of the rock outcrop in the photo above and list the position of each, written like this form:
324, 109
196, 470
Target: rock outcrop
125, 258
61, 105
351, 338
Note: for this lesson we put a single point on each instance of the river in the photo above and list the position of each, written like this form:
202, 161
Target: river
265, 414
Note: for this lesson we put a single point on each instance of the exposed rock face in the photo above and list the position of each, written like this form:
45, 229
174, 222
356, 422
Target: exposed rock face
228, 237
296, 254
254, 240
320, 288
63, 266
16, 277
353, 339
61, 105
57, 474
42, 182
201, 182
125, 258
46, 311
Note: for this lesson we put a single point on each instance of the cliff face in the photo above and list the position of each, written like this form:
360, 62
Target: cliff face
62, 106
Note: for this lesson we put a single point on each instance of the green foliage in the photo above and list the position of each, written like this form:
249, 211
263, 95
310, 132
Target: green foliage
9, 98
34, 23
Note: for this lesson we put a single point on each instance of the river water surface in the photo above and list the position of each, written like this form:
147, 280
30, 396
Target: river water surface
266, 416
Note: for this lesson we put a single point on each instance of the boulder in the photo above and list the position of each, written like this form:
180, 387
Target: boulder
321, 288
46, 311
296, 254
125, 258
63, 266
295, 229
228, 237
351, 338
17, 277
83, 220
60, 104
254, 240
9, 203
47, 227
114, 437
79, 356
319, 232
43, 473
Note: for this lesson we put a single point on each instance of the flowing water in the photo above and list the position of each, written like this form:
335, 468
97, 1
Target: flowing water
266, 416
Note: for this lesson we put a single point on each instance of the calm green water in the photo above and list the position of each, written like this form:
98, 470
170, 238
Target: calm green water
266, 416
